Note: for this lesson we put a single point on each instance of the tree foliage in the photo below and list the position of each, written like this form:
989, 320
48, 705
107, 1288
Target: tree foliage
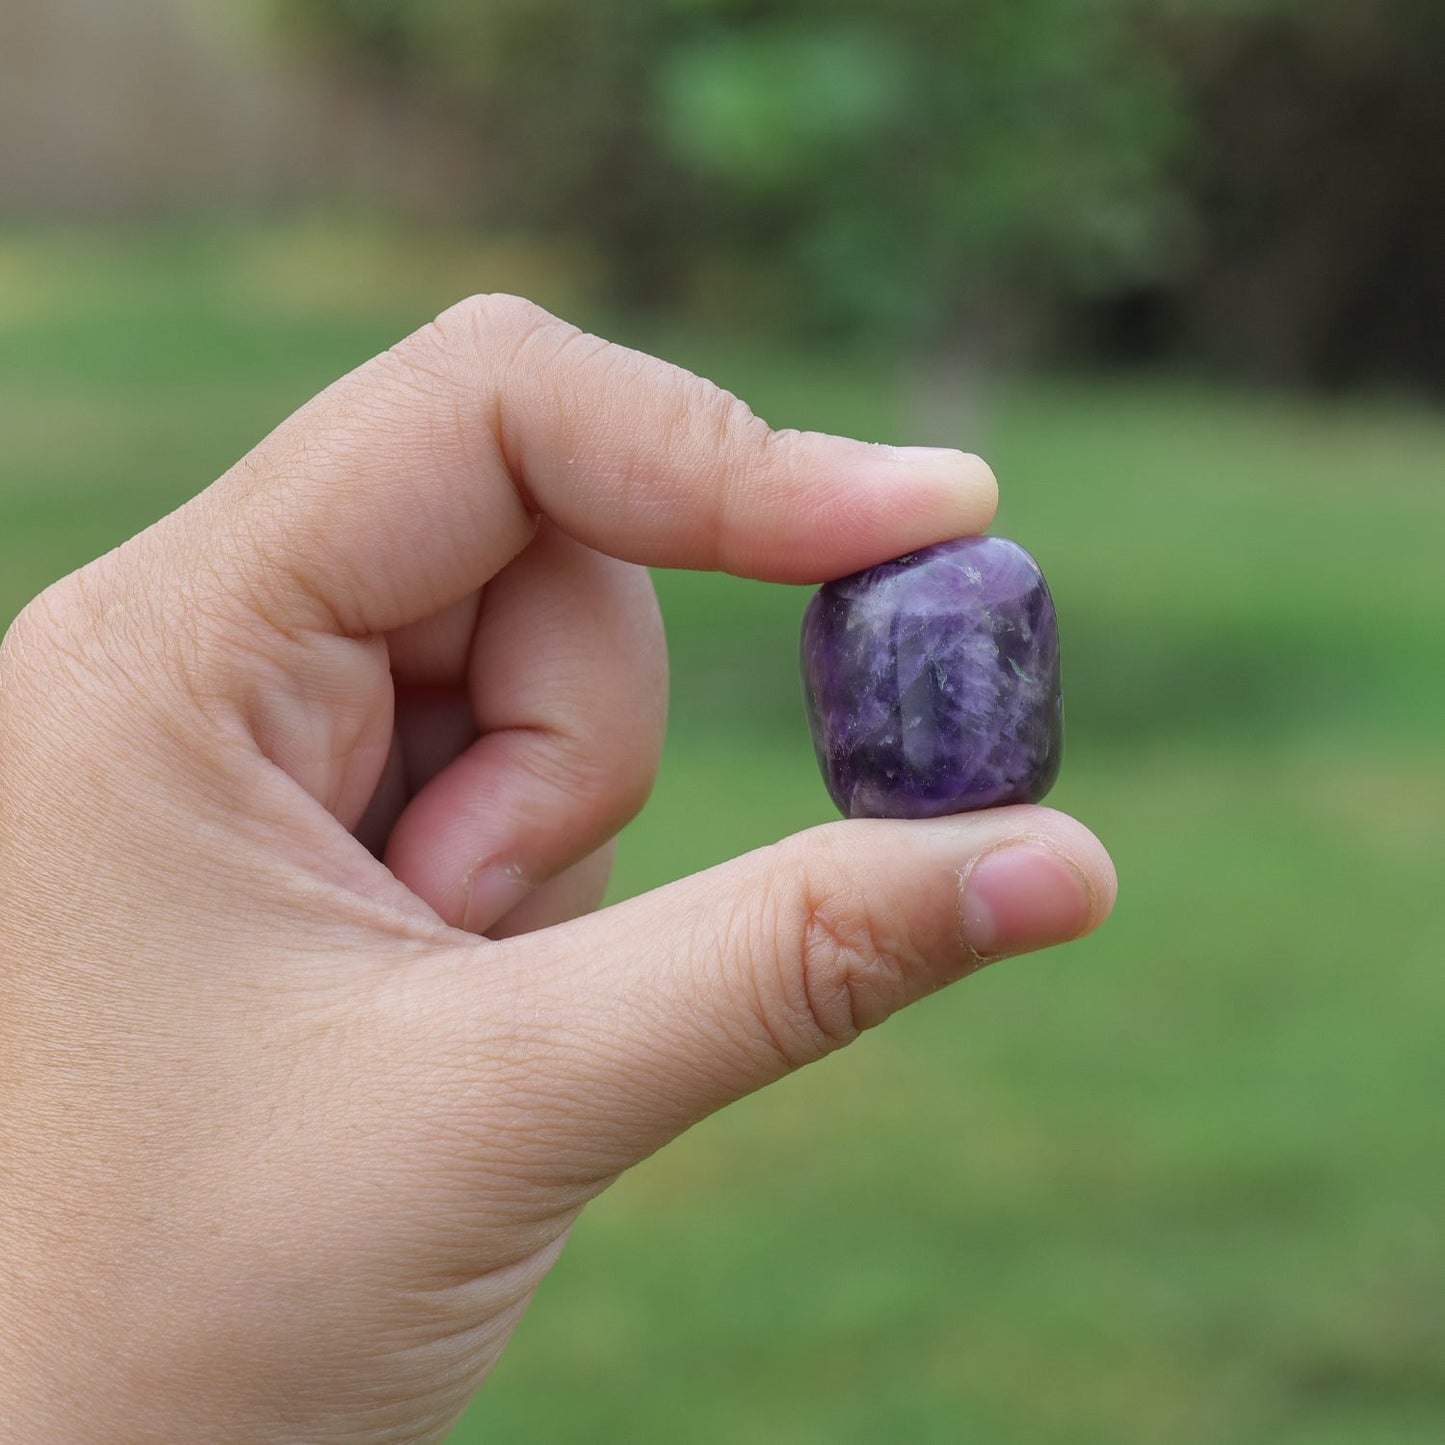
904, 170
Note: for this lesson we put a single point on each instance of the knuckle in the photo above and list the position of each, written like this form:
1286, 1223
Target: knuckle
729, 426
626, 785
499, 325
475, 343
608, 785
703, 414
499, 311
516, 345
48, 668
59, 626
109, 632
763, 465
838, 969
24, 638
20, 647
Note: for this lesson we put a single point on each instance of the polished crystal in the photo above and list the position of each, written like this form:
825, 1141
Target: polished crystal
932, 682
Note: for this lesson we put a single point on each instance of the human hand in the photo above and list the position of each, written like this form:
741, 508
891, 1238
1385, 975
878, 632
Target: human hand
285, 1146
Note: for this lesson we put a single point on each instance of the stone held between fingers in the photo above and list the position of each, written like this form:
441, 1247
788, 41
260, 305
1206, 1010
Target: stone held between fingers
932, 682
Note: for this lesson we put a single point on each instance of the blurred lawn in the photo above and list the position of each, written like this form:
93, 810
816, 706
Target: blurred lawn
1183, 1182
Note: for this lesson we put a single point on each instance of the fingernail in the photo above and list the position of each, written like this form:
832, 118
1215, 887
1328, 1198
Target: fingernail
957, 472
928, 454
932, 456
492, 892
1020, 896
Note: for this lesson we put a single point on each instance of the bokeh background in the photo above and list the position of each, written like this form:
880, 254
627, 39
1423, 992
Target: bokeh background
1177, 267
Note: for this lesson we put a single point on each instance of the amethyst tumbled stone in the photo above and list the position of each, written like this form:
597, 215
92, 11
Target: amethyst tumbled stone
932, 682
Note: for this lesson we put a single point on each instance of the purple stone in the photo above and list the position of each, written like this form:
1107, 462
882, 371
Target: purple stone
932, 682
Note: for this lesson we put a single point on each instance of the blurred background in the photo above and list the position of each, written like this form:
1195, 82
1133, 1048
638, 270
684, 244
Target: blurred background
1177, 267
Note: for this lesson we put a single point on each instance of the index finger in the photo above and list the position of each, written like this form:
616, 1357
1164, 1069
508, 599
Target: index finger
408, 483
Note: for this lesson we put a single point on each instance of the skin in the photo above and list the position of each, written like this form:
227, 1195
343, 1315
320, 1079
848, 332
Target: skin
311, 1046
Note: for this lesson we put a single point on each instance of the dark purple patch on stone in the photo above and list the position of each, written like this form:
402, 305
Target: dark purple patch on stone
932, 682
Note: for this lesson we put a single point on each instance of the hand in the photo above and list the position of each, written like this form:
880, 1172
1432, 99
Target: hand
285, 1146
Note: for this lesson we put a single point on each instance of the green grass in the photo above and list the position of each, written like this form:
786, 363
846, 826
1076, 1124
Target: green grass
1182, 1182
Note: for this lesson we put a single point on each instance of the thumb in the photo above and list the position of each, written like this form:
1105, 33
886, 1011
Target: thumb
665, 1008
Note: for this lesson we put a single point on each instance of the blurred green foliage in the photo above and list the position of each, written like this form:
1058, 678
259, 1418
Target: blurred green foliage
1181, 1182
883, 170
1255, 182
